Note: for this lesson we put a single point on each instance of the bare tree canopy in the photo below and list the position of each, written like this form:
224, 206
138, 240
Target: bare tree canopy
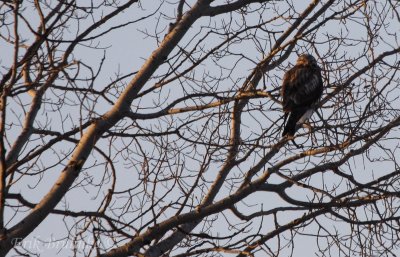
153, 128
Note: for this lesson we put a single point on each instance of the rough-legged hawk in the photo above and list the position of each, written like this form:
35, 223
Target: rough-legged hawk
301, 89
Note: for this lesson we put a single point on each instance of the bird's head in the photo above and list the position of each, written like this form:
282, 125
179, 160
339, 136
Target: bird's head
306, 59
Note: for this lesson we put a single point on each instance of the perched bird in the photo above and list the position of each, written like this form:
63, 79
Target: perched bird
301, 89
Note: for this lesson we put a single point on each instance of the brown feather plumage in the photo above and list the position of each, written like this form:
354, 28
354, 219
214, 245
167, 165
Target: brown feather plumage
301, 89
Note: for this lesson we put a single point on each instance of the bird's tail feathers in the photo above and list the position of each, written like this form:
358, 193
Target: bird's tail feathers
295, 116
